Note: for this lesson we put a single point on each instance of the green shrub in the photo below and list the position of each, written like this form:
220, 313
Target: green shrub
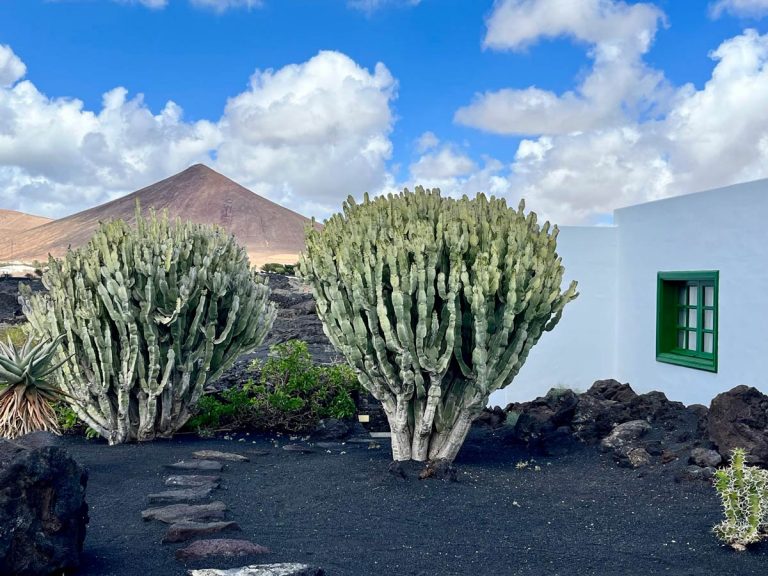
17, 334
275, 268
288, 393
744, 493
148, 315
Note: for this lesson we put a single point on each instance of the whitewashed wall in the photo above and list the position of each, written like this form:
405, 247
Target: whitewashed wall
581, 348
723, 229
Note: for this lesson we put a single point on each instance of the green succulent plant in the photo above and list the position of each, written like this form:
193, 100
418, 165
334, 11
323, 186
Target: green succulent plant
743, 490
26, 393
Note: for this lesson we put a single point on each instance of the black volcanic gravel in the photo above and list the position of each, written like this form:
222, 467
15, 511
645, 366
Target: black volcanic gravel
577, 515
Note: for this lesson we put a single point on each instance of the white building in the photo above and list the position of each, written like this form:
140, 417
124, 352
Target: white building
670, 300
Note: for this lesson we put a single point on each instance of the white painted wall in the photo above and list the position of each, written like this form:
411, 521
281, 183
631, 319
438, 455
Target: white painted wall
723, 229
581, 348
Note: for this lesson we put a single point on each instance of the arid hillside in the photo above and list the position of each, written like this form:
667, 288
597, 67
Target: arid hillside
270, 232
11, 224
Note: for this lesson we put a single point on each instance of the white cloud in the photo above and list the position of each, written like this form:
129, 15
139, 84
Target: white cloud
427, 141
289, 136
11, 67
372, 5
617, 35
710, 137
152, 4
442, 164
224, 5
748, 8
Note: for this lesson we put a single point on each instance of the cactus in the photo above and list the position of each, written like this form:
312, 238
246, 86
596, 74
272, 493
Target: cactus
26, 392
744, 493
435, 303
148, 316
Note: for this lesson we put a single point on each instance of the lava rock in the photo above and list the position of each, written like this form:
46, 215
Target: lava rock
636, 457
43, 513
183, 531
185, 512
612, 390
624, 434
262, 570
540, 418
705, 458
193, 481
182, 495
492, 418
330, 429
204, 465
738, 418
216, 455
225, 547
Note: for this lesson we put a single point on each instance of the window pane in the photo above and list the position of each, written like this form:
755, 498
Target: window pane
683, 295
709, 342
691, 340
692, 295
681, 339
692, 312
709, 295
709, 319
681, 316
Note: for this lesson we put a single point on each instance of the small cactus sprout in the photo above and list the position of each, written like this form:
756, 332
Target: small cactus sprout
26, 392
744, 492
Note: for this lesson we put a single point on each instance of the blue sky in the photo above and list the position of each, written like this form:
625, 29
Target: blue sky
555, 101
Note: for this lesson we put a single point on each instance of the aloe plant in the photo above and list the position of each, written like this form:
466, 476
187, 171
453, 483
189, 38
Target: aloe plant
26, 393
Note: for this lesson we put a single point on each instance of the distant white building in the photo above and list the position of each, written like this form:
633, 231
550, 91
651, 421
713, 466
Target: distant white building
671, 299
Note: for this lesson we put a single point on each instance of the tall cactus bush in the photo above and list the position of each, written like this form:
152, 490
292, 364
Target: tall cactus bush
435, 303
148, 315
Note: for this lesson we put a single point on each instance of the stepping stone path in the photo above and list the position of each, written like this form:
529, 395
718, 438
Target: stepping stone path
183, 531
262, 570
193, 481
192, 521
220, 547
216, 455
183, 495
206, 465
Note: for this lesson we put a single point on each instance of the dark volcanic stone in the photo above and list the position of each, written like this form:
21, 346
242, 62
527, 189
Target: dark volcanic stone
185, 512
705, 458
739, 419
612, 390
226, 547
193, 481
43, 514
182, 495
439, 470
330, 429
262, 570
217, 455
205, 465
183, 531
540, 419
492, 418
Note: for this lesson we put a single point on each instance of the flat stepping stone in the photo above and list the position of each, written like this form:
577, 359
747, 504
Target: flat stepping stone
207, 465
297, 448
262, 570
225, 547
216, 455
183, 531
193, 481
178, 496
186, 512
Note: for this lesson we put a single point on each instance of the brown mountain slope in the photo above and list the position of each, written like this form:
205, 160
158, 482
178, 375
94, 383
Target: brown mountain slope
12, 221
270, 232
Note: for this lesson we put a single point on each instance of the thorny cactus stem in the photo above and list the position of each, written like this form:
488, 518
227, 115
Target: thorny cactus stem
743, 490
435, 303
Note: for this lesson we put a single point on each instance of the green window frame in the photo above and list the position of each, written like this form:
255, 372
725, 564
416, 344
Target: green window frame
687, 319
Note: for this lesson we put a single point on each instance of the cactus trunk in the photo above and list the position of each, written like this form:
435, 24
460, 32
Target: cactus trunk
435, 303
